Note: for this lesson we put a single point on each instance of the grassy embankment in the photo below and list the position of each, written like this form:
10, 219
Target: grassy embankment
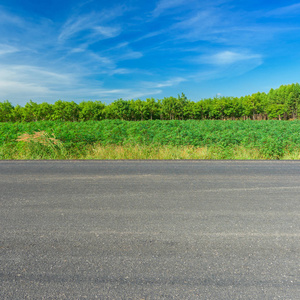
115, 139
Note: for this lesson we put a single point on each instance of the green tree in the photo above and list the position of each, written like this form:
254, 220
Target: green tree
181, 109
293, 100
110, 111
137, 109
91, 110
198, 110
65, 111
152, 108
276, 111
45, 111
17, 114
6, 111
217, 108
123, 110
206, 106
31, 112
173, 108
189, 110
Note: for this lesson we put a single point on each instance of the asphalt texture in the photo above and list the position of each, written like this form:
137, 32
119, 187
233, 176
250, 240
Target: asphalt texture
150, 230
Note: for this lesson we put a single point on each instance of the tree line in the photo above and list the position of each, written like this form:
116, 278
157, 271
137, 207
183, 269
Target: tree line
282, 104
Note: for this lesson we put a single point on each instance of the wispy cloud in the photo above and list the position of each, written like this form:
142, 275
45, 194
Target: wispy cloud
23, 82
292, 10
226, 64
7, 49
166, 83
228, 25
170, 82
97, 49
105, 61
21, 92
130, 93
108, 32
229, 57
151, 35
20, 83
165, 5
205, 18
91, 26
130, 55
23, 38
8, 18
206, 25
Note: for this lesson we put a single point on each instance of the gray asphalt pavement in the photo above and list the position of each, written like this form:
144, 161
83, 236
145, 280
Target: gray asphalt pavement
150, 230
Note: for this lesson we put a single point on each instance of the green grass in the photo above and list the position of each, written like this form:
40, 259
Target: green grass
115, 139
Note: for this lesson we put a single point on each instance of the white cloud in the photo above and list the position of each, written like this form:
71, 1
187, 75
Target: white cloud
130, 55
229, 57
204, 18
7, 49
223, 25
151, 34
166, 83
80, 49
108, 32
170, 82
134, 93
12, 89
91, 26
207, 24
285, 10
7, 18
121, 93
71, 27
70, 66
20, 83
105, 61
32, 74
225, 64
24, 82
164, 5
120, 71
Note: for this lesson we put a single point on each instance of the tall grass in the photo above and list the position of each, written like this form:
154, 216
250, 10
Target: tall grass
151, 140
35, 150
39, 145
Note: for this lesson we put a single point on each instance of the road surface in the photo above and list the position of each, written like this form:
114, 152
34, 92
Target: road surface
150, 230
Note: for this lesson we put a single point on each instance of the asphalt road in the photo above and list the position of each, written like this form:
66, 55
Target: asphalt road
150, 230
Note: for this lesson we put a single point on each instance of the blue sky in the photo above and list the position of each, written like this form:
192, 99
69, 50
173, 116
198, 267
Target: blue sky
105, 50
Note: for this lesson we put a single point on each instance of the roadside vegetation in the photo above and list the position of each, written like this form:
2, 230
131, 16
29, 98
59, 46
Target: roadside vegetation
169, 128
281, 104
156, 139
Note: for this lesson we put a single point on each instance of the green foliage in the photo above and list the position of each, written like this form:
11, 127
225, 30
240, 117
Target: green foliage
272, 139
39, 145
79, 126
6, 110
65, 111
280, 104
91, 110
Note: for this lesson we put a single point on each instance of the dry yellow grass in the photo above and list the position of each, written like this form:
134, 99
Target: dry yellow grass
167, 152
291, 156
144, 152
41, 137
41, 145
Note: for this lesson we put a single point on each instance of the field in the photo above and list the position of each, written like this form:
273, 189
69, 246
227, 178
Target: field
156, 139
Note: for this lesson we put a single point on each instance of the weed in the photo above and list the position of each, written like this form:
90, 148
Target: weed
40, 145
